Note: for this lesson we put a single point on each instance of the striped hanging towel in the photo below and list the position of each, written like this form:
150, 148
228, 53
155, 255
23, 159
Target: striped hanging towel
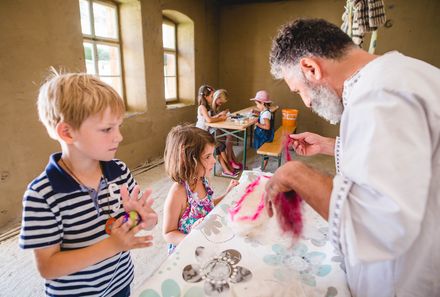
362, 16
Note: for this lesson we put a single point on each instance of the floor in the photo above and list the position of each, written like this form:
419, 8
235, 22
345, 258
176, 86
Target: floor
18, 274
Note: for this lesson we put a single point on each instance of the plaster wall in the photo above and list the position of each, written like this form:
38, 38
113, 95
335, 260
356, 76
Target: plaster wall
231, 51
38, 34
246, 33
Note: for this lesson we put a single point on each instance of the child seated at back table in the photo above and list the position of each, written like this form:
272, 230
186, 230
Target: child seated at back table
264, 128
68, 208
219, 98
189, 160
205, 115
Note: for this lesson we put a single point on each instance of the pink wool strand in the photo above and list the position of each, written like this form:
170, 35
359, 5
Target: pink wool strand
287, 142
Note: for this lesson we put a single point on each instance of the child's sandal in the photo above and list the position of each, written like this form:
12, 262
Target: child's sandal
230, 175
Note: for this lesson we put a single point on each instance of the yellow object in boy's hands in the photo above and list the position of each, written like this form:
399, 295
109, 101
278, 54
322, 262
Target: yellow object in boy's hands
134, 218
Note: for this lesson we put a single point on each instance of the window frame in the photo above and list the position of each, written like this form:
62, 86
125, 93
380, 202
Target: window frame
98, 40
174, 52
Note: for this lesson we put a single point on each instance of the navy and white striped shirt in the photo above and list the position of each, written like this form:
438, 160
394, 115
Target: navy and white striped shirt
59, 211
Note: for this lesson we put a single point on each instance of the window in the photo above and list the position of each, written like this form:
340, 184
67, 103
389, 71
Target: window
178, 57
102, 44
170, 60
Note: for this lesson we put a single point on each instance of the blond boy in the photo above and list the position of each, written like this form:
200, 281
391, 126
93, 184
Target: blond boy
82, 193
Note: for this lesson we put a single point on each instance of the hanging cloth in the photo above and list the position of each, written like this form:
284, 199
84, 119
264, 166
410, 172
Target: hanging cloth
363, 16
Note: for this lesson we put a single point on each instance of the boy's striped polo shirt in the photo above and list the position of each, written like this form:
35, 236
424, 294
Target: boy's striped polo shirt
59, 211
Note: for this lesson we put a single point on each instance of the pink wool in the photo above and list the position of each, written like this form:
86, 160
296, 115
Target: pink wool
288, 204
288, 209
249, 189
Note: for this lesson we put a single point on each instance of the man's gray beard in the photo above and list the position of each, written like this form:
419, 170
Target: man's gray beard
325, 102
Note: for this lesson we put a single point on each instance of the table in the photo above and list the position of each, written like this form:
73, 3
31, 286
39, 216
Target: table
215, 261
232, 128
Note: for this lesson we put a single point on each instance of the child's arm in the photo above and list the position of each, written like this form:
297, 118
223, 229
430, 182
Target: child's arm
255, 112
265, 126
231, 185
223, 112
217, 118
54, 263
175, 204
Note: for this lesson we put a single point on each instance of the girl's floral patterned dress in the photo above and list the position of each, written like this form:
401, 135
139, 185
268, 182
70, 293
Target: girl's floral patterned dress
196, 209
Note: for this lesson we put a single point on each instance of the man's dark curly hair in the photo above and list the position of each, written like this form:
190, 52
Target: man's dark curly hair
307, 37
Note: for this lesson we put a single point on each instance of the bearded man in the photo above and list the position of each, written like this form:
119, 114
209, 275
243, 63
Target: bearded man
383, 205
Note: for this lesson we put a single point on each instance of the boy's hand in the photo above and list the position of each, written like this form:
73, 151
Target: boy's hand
124, 238
232, 184
142, 205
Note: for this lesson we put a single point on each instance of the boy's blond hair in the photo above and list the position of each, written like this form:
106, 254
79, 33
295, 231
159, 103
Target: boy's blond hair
72, 98
183, 151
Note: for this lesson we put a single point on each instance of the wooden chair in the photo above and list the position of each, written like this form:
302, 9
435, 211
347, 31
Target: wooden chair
275, 148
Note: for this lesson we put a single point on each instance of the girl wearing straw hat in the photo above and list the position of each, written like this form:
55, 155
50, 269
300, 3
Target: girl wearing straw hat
264, 128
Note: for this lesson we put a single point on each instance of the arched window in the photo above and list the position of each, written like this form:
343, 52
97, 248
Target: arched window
178, 55
169, 39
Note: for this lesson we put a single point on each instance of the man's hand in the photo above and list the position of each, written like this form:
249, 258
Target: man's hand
142, 205
309, 144
278, 183
311, 185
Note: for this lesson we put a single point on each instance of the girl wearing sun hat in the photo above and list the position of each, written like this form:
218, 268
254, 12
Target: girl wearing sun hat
264, 128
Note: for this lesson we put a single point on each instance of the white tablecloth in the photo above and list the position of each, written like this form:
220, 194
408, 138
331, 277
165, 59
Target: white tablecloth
215, 261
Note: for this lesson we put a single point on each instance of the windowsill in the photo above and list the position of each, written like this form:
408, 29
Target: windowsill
176, 105
131, 114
